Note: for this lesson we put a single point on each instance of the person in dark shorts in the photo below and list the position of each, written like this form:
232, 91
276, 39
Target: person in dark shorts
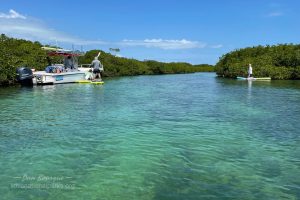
96, 68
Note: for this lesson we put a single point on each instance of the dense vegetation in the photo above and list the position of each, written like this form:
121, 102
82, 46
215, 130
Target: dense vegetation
17, 52
277, 62
117, 66
14, 53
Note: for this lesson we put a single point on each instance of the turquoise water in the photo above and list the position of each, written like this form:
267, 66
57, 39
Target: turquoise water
190, 136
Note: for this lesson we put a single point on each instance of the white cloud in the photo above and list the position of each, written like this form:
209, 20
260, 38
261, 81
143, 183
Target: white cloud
217, 46
164, 44
275, 10
12, 15
275, 14
274, 5
119, 55
16, 25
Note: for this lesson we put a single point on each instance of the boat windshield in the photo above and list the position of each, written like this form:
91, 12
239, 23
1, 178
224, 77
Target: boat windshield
70, 60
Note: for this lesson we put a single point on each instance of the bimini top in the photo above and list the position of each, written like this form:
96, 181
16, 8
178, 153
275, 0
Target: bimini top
62, 52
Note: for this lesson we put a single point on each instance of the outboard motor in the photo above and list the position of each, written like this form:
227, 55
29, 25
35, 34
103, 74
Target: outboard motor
24, 76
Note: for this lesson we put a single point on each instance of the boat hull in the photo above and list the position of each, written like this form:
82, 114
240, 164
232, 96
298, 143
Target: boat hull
44, 78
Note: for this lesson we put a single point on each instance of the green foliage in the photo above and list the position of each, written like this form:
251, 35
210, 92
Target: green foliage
15, 53
117, 66
278, 62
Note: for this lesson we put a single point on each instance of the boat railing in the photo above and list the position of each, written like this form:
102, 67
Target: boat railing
85, 65
89, 66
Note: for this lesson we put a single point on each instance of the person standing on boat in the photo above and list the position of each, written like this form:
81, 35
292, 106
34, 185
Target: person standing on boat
68, 63
96, 68
250, 71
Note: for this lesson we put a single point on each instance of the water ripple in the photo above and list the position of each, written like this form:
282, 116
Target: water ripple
189, 136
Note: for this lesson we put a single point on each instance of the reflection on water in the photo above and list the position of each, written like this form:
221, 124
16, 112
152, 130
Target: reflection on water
191, 136
249, 88
249, 84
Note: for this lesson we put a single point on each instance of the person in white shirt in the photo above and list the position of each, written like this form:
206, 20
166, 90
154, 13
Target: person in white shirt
96, 68
250, 71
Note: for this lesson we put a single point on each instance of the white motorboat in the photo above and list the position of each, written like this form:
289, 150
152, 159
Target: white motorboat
60, 73
69, 72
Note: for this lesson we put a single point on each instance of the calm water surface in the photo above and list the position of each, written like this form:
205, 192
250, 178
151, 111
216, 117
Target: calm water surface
179, 137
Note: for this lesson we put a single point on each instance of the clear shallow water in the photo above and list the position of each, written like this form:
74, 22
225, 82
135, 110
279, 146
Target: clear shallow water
188, 136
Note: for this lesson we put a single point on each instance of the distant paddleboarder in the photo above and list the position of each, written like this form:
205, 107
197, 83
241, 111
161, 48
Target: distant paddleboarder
250, 71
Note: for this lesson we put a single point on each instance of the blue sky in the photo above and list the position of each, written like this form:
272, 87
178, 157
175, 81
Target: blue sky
193, 31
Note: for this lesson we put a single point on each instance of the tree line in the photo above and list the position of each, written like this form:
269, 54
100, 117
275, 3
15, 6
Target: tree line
119, 66
278, 62
18, 52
